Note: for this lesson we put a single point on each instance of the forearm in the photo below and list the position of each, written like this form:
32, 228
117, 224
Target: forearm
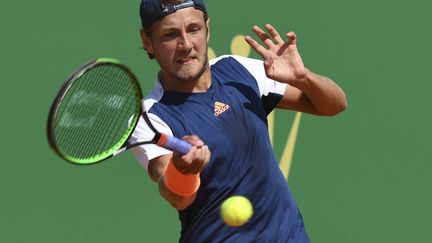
156, 170
324, 96
178, 202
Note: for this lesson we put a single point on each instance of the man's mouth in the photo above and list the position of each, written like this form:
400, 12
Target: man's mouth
186, 60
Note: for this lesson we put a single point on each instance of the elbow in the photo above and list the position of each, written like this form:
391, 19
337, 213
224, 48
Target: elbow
336, 111
336, 108
176, 201
343, 104
181, 204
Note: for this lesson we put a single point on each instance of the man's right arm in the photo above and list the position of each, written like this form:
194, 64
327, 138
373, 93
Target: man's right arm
187, 166
156, 170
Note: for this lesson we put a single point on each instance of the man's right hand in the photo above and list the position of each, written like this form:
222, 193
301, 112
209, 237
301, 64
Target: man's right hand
197, 158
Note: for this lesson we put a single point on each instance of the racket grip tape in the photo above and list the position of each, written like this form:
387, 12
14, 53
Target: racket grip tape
174, 144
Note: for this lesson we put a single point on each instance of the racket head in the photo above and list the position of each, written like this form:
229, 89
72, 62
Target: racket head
95, 112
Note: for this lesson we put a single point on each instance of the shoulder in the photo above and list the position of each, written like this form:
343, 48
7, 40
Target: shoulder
245, 66
154, 96
232, 68
254, 68
246, 62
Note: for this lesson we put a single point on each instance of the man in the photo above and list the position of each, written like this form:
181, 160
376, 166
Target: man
220, 108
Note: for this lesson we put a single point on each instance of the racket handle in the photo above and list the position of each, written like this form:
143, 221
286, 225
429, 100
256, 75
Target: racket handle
174, 144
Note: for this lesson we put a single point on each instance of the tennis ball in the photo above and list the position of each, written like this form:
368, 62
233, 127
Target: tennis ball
236, 210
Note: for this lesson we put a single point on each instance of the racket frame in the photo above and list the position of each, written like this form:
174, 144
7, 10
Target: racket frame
70, 81
160, 139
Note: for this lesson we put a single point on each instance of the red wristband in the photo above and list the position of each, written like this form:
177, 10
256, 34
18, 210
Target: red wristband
179, 183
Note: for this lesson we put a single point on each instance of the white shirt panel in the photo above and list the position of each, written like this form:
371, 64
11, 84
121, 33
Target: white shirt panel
142, 132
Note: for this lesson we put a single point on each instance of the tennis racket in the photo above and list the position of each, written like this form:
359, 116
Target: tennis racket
96, 111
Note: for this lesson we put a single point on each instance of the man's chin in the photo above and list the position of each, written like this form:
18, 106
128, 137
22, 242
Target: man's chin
190, 75
188, 78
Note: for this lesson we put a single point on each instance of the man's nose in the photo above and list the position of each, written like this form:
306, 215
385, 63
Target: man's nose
185, 42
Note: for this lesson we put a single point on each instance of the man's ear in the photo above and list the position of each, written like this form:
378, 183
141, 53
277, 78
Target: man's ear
208, 29
145, 38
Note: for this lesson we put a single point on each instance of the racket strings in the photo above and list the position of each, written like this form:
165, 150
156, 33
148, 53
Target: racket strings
98, 109
117, 126
93, 141
82, 95
97, 141
66, 114
69, 131
118, 122
86, 84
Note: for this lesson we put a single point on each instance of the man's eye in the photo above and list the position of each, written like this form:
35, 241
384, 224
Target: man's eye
170, 34
194, 29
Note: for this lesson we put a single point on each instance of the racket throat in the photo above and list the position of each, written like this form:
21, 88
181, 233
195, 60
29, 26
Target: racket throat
161, 139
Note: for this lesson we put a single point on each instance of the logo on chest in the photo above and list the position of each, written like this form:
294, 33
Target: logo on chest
220, 108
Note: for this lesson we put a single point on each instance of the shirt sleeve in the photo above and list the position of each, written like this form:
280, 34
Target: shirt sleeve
145, 153
255, 67
270, 91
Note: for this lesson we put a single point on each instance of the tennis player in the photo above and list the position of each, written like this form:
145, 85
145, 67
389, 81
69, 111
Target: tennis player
220, 106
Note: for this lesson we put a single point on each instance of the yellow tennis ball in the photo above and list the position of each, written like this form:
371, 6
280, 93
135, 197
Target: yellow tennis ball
236, 210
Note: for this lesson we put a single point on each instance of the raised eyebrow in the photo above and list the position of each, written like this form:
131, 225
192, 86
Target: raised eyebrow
168, 28
196, 23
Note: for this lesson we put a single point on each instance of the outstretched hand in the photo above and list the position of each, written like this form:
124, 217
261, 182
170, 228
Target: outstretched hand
282, 62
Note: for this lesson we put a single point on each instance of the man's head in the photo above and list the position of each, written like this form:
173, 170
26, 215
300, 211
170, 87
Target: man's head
153, 10
176, 34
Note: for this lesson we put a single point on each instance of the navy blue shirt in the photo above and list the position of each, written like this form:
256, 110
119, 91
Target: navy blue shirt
231, 118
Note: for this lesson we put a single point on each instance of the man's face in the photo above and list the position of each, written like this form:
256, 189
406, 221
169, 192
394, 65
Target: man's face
179, 44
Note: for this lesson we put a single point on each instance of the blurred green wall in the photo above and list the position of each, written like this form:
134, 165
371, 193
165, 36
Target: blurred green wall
363, 176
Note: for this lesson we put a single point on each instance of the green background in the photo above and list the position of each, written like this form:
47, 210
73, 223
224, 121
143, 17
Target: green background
362, 176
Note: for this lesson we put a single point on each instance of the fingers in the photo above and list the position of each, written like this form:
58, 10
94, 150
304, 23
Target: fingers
201, 159
274, 34
273, 40
292, 38
196, 159
256, 46
194, 140
264, 37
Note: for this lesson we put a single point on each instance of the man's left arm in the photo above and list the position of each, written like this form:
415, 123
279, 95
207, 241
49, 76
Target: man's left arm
316, 95
306, 91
